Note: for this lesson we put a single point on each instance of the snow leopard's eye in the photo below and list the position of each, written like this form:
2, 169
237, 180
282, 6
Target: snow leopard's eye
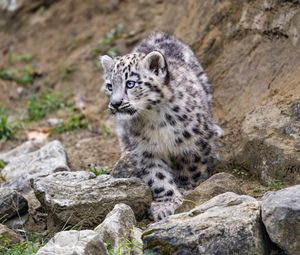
130, 84
109, 86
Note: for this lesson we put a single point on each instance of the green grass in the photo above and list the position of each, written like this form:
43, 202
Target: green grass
65, 72
24, 248
20, 68
105, 131
75, 121
39, 106
2, 164
7, 129
108, 44
241, 174
99, 171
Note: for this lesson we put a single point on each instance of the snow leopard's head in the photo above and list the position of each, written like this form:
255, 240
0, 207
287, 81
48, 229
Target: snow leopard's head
135, 82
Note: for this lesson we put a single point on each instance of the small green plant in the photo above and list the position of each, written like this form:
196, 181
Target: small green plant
275, 184
24, 248
65, 72
7, 129
105, 131
2, 164
17, 71
74, 122
241, 174
39, 106
108, 44
7, 74
24, 58
99, 171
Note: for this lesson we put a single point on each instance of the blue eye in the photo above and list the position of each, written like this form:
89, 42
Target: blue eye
109, 86
130, 84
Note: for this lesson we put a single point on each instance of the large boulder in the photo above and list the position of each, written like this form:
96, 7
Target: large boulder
281, 216
12, 204
116, 229
215, 185
24, 167
226, 224
250, 50
82, 199
85, 242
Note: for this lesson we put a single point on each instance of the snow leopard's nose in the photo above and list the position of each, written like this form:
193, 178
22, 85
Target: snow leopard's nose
116, 104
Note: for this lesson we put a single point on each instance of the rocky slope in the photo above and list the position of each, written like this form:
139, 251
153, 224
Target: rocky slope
251, 52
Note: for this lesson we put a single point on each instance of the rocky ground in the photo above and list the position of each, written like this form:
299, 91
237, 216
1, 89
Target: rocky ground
57, 141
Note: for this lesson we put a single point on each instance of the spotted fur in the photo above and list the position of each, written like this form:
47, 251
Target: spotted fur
164, 122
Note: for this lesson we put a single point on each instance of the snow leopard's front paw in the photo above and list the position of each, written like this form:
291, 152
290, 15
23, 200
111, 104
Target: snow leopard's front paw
161, 210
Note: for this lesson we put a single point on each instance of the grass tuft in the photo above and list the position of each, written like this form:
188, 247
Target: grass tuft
39, 106
74, 122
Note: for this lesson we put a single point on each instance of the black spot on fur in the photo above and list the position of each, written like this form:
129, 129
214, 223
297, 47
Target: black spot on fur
170, 119
158, 190
160, 175
150, 182
147, 154
176, 108
196, 176
170, 193
186, 134
193, 168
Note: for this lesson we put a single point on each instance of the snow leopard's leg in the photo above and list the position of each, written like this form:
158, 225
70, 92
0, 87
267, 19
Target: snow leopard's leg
157, 174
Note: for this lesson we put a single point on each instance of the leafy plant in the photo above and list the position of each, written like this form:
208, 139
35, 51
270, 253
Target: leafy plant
275, 184
24, 248
2, 164
241, 174
22, 75
7, 129
105, 130
7, 74
108, 44
39, 106
74, 122
99, 171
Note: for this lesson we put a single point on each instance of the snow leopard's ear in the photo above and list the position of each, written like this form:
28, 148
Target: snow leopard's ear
156, 63
106, 62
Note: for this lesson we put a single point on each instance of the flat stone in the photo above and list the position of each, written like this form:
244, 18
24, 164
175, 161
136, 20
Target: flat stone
281, 216
85, 242
226, 224
25, 167
215, 185
12, 204
82, 199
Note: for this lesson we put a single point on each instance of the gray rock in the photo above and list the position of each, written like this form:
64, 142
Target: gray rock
10, 5
22, 168
137, 242
281, 216
85, 242
22, 149
82, 199
226, 224
8, 236
115, 230
12, 204
215, 185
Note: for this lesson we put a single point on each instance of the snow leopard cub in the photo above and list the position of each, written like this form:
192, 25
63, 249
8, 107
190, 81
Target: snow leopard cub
161, 101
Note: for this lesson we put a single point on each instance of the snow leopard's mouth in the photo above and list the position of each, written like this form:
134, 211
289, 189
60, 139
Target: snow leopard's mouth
123, 110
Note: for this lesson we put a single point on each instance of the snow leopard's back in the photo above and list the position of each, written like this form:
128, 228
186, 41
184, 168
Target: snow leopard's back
175, 50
